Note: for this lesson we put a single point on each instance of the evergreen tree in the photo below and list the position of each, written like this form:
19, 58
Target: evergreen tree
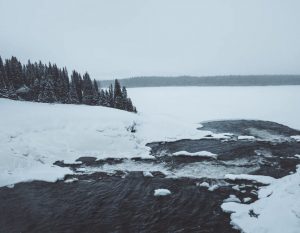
76, 77
118, 98
14, 72
103, 100
96, 94
2, 76
87, 90
36, 89
73, 97
48, 83
110, 96
47, 94
124, 99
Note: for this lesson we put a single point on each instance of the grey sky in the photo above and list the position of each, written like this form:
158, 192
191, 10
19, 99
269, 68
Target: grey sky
124, 38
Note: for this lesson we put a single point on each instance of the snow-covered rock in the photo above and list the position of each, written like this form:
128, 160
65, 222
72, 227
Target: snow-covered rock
71, 180
162, 192
232, 198
203, 184
297, 156
200, 153
147, 174
257, 178
244, 137
213, 187
247, 199
296, 137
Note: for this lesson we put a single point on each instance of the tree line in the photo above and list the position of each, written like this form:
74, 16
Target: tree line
50, 84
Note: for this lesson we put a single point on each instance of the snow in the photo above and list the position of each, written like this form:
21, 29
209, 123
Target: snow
244, 137
232, 198
198, 104
277, 212
247, 199
257, 178
200, 153
71, 180
33, 135
213, 187
297, 156
147, 174
296, 137
161, 192
203, 184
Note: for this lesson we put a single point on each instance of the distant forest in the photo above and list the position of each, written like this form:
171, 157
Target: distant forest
243, 80
49, 84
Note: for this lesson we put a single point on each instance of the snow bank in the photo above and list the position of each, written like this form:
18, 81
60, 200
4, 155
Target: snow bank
161, 192
35, 135
147, 174
200, 153
277, 212
232, 198
296, 137
242, 137
260, 179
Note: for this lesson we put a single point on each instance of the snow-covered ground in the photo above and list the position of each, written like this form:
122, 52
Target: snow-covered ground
34, 135
195, 104
277, 210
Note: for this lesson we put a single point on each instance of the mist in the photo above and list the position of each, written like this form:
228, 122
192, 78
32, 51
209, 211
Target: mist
117, 39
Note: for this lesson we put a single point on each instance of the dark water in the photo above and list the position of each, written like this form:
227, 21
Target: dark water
123, 201
113, 204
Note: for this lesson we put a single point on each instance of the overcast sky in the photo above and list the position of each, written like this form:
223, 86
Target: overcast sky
124, 38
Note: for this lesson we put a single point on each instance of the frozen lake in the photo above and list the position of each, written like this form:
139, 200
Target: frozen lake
195, 104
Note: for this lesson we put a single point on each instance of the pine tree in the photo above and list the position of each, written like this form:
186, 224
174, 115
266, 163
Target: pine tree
48, 83
110, 96
124, 99
36, 89
76, 77
87, 90
2, 76
103, 99
118, 99
73, 97
47, 94
14, 72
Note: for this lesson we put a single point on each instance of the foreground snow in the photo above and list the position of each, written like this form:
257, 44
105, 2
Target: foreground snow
277, 210
34, 135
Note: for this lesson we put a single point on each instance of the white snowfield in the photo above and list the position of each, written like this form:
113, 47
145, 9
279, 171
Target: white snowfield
277, 210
